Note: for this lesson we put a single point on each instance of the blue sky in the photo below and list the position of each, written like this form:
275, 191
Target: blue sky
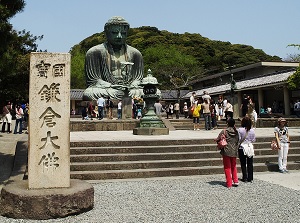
269, 25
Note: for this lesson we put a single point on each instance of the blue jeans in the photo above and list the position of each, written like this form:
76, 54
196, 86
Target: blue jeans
18, 122
119, 113
213, 121
100, 112
207, 119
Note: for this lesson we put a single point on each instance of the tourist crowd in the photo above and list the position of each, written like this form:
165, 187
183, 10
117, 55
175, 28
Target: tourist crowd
19, 112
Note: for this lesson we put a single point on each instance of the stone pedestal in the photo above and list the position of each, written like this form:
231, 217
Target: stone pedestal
150, 131
17, 201
126, 107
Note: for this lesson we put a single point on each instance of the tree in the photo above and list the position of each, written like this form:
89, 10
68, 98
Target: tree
294, 80
174, 54
173, 68
15, 47
77, 68
293, 57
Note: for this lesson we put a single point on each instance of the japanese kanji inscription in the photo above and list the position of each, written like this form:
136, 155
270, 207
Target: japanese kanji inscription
49, 134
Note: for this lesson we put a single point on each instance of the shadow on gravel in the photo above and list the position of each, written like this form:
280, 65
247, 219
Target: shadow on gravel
216, 183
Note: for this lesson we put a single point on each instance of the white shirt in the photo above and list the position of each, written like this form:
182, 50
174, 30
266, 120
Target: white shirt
224, 103
120, 105
192, 99
19, 113
101, 102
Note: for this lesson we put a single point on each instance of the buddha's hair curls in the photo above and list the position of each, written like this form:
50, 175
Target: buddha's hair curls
116, 20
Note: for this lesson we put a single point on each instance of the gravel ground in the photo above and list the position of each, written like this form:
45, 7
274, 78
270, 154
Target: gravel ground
189, 199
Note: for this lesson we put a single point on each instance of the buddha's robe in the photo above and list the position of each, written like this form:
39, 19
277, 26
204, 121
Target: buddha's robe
106, 75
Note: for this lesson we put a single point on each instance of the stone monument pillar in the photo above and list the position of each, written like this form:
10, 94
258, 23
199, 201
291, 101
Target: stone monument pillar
49, 138
49, 192
126, 106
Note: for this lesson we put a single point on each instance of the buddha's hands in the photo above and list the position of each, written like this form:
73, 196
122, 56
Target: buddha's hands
118, 87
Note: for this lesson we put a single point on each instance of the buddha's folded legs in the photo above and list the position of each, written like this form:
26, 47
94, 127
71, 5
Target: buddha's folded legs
93, 93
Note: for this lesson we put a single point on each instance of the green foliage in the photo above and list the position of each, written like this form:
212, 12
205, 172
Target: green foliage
294, 80
8, 8
15, 48
175, 58
77, 68
171, 65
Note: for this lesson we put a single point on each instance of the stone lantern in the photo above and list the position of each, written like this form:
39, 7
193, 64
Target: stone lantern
150, 123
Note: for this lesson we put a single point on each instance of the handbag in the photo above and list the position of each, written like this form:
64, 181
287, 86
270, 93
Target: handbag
222, 143
274, 145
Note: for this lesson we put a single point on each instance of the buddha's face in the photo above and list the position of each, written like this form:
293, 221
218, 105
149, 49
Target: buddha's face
116, 34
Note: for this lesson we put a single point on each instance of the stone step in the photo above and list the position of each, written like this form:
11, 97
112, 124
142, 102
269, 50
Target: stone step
142, 149
190, 125
141, 156
163, 149
160, 142
148, 164
206, 156
166, 172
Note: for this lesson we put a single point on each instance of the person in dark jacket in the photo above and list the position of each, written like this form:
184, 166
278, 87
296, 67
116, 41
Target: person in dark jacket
84, 113
230, 153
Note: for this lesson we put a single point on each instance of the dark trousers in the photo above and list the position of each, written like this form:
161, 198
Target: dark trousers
177, 114
213, 121
18, 123
186, 114
244, 111
3, 127
100, 112
246, 166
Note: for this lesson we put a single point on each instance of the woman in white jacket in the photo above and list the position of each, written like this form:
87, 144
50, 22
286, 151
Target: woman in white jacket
246, 135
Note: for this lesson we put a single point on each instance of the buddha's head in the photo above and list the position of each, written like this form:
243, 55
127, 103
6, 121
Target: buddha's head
116, 30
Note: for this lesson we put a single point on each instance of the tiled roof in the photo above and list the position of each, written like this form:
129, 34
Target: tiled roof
76, 94
172, 94
253, 83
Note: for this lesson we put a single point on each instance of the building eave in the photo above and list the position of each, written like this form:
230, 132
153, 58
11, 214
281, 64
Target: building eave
271, 80
251, 66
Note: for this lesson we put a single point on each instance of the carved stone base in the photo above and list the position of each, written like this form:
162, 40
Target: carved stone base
150, 131
17, 201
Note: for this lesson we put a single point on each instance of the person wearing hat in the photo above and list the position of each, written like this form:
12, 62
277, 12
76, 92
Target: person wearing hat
185, 110
283, 142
